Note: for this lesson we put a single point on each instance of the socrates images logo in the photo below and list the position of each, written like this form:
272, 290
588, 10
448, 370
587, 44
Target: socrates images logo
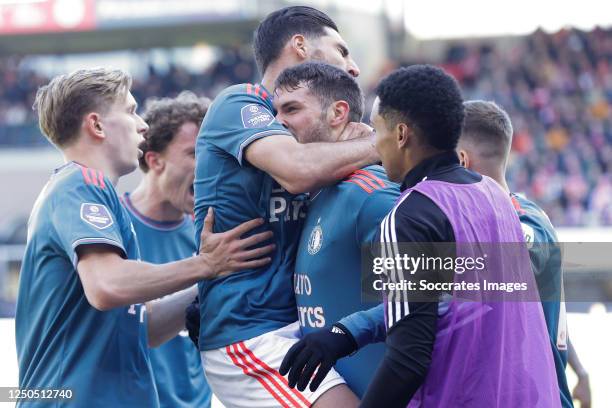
316, 240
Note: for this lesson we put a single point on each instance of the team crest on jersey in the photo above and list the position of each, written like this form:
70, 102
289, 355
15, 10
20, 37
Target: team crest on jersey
96, 215
316, 240
529, 234
256, 116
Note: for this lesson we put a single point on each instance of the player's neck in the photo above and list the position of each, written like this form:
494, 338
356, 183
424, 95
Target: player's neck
93, 161
268, 80
501, 180
497, 174
148, 201
272, 72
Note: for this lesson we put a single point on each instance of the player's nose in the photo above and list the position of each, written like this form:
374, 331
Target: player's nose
280, 119
352, 68
142, 126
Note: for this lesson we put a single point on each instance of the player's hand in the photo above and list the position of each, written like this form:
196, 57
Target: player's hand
227, 252
356, 130
192, 321
318, 349
582, 391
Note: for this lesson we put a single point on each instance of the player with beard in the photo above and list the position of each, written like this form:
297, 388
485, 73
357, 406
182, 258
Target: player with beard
445, 351
249, 165
315, 102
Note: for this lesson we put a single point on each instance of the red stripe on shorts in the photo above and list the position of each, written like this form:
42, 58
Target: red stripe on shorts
275, 373
229, 352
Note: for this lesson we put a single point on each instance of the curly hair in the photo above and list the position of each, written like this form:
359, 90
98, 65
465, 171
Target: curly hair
426, 98
165, 116
327, 83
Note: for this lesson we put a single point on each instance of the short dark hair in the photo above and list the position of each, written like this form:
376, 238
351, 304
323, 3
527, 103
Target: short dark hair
489, 127
326, 82
165, 116
426, 97
279, 26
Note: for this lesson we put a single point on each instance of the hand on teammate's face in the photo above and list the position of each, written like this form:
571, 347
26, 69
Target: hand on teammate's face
227, 252
356, 130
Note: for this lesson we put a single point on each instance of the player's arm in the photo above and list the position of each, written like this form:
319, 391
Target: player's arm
366, 326
165, 316
111, 281
582, 390
306, 167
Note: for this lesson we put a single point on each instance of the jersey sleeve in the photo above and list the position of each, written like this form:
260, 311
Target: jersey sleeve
87, 215
237, 120
374, 209
366, 326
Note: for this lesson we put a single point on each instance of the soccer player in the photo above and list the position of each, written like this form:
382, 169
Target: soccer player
249, 165
160, 209
449, 352
484, 147
315, 102
80, 325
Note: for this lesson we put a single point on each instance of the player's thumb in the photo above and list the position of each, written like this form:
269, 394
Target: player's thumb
209, 221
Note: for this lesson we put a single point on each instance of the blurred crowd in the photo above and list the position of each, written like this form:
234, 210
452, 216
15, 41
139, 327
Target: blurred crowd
18, 85
557, 89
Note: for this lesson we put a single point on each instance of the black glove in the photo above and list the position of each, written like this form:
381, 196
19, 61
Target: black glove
192, 320
318, 349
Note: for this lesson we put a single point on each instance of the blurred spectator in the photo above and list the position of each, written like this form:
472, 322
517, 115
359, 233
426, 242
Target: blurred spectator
557, 88
18, 85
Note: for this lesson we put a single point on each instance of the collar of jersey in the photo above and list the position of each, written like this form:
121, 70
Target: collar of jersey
150, 222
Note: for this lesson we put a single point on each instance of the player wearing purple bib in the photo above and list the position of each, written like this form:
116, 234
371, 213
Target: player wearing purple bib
450, 352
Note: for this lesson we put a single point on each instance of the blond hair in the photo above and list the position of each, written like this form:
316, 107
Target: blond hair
62, 103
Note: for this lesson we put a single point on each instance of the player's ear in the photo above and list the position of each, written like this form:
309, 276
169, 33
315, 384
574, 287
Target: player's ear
92, 125
338, 113
298, 45
464, 158
404, 135
154, 161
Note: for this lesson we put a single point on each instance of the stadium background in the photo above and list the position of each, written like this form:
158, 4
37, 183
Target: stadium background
556, 84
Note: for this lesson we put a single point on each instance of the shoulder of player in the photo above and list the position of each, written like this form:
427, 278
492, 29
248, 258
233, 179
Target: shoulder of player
368, 180
532, 216
246, 91
529, 211
79, 177
83, 183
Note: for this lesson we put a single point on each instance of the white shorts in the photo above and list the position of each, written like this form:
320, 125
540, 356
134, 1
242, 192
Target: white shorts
245, 374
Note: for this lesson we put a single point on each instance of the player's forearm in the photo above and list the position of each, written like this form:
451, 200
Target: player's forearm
321, 164
366, 326
124, 282
166, 316
574, 361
